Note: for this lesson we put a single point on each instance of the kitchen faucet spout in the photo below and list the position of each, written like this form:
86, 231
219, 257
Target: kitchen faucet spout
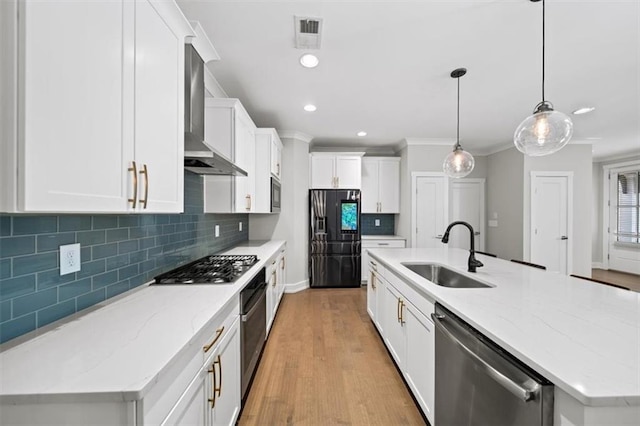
472, 262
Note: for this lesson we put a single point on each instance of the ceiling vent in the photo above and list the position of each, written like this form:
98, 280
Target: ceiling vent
308, 32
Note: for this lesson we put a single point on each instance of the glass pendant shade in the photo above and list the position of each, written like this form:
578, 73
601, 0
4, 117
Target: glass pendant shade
458, 163
544, 132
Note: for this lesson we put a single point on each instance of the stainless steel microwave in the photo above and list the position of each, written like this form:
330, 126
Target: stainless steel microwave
275, 196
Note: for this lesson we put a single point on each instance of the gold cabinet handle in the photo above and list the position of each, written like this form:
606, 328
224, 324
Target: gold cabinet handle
278, 167
398, 310
134, 169
402, 312
215, 390
215, 339
219, 388
373, 280
247, 200
145, 172
275, 279
282, 264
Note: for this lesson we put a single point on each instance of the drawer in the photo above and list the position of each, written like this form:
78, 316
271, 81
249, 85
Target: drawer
383, 243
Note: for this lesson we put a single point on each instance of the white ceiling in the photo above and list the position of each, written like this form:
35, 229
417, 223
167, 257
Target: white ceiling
385, 65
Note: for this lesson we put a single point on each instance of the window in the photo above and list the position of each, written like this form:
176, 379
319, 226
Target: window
628, 207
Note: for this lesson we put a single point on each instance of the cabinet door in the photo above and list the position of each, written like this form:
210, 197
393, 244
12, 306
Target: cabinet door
388, 186
281, 275
393, 328
72, 153
349, 172
271, 294
371, 294
245, 159
276, 157
227, 405
159, 91
369, 194
193, 407
322, 172
420, 358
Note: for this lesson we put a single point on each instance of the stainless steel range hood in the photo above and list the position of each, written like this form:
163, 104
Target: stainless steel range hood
199, 156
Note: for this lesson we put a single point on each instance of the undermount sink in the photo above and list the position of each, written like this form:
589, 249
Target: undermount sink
444, 276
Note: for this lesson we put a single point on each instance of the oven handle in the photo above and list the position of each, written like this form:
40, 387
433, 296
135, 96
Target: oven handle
255, 307
519, 391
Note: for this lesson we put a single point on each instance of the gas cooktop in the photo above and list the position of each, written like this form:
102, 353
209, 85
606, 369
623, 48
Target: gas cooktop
216, 269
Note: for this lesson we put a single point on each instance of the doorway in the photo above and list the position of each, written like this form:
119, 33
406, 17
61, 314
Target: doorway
467, 203
429, 208
551, 220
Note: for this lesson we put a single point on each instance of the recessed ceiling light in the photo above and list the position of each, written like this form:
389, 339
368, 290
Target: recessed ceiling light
362, 134
309, 108
583, 110
309, 60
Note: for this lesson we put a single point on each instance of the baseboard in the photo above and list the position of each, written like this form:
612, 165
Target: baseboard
294, 288
597, 265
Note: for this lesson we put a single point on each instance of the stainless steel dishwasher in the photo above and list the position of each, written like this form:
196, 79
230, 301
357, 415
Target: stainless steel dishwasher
478, 383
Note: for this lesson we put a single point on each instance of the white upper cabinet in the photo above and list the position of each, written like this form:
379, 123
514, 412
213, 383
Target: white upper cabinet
380, 185
93, 123
230, 130
268, 158
336, 171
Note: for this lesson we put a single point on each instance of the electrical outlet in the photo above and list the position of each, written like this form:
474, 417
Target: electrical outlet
377, 222
217, 231
240, 226
69, 258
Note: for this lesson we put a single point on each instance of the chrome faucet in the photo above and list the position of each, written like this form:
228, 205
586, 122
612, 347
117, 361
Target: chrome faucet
473, 263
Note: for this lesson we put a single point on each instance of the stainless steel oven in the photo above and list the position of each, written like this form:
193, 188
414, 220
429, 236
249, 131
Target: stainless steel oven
253, 328
275, 195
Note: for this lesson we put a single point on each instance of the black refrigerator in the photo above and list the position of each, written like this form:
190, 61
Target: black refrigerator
334, 238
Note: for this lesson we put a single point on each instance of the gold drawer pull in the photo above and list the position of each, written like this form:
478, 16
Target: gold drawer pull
134, 169
215, 339
275, 280
145, 172
402, 321
219, 388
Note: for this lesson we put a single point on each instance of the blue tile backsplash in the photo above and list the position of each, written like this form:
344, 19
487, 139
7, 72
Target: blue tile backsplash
387, 224
119, 252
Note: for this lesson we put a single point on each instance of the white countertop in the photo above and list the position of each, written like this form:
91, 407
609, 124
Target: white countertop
116, 351
582, 336
382, 237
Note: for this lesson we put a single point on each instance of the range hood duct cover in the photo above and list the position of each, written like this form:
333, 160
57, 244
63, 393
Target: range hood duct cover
200, 157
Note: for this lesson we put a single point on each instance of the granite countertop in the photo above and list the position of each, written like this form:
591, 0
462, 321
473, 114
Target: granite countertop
116, 350
582, 336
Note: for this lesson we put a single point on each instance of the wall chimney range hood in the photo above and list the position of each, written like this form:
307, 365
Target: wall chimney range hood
199, 156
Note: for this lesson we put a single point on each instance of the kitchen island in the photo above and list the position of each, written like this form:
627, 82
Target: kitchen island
129, 359
582, 336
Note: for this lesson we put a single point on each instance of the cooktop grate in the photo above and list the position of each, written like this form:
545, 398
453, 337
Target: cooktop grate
215, 269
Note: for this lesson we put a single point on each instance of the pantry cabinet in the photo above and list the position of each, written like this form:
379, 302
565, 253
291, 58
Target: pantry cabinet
230, 130
335, 171
94, 123
380, 185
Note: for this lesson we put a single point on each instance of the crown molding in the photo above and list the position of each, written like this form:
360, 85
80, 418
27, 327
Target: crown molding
294, 134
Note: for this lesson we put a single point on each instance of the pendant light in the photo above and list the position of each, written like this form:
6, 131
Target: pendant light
546, 131
458, 163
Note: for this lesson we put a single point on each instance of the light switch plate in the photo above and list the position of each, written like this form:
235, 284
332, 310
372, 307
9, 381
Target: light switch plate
217, 231
69, 258
493, 224
377, 222
239, 226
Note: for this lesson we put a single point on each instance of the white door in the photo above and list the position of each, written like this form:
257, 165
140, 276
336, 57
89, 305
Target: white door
550, 212
429, 213
322, 171
369, 196
159, 85
349, 172
624, 247
389, 186
466, 203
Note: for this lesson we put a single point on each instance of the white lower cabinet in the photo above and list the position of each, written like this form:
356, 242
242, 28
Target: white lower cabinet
406, 330
275, 275
370, 243
213, 396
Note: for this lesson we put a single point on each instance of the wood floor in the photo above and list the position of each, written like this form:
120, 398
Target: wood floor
324, 364
621, 278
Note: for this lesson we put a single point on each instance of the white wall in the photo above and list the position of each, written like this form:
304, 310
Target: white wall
576, 159
504, 199
292, 222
